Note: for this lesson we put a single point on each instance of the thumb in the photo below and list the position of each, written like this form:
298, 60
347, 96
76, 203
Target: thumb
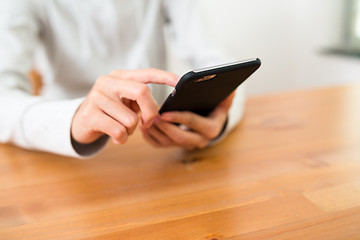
227, 102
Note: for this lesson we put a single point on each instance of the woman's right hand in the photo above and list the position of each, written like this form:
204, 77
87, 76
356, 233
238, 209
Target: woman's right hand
116, 103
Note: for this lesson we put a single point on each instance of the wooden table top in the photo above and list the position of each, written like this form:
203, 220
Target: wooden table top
290, 170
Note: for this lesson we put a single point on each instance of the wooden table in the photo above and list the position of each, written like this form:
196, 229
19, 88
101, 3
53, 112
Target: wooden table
290, 170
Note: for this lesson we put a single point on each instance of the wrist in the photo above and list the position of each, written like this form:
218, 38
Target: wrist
88, 149
222, 131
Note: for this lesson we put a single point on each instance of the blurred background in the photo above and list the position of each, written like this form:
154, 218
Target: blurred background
302, 43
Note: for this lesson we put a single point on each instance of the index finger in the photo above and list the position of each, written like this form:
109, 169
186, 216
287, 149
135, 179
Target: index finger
149, 75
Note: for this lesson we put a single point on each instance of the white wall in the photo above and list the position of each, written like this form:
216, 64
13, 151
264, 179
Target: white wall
288, 36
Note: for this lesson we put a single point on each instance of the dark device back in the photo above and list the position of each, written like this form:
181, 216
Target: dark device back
202, 90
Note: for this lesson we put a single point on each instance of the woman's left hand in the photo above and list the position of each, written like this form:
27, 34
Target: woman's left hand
194, 132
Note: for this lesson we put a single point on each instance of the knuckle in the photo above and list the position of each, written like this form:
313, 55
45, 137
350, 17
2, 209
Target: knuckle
131, 120
202, 144
150, 71
152, 115
180, 140
91, 122
94, 95
116, 72
191, 121
88, 131
119, 134
142, 90
101, 78
101, 81
213, 133
86, 115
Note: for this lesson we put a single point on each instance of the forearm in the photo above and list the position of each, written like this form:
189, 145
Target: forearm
40, 124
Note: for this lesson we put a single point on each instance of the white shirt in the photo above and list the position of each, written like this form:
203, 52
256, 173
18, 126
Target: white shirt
76, 42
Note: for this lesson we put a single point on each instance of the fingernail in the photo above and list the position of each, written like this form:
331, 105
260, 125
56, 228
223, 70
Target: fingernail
149, 124
166, 117
157, 119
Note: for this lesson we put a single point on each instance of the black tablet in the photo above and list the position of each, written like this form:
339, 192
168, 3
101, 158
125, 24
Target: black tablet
200, 91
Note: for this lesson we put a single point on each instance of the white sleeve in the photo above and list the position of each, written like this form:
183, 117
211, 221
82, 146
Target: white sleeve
189, 38
25, 120
192, 45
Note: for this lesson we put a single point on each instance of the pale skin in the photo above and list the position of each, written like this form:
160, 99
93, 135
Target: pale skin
196, 134
119, 101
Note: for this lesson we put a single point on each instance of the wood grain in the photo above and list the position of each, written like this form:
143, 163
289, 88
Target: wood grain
290, 170
327, 200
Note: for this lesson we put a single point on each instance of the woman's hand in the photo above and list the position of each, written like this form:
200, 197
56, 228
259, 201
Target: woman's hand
116, 103
194, 132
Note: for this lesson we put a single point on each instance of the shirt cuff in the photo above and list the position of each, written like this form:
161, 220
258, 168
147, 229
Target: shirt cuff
47, 125
87, 150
